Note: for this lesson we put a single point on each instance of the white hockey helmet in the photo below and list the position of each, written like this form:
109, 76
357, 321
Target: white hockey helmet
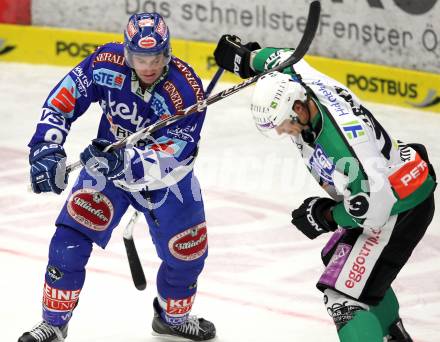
273, 99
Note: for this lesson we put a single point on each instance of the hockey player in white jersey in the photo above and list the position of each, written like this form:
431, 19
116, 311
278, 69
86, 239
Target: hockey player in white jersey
381, 189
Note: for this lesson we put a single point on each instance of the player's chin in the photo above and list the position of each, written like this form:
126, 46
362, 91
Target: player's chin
148, 78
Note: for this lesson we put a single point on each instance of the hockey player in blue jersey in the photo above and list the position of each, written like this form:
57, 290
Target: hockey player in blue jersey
135, 83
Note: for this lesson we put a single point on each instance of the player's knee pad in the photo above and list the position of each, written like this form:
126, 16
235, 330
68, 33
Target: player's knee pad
341, 308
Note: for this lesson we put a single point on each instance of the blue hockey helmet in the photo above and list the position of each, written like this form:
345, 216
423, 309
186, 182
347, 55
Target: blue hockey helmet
146, 34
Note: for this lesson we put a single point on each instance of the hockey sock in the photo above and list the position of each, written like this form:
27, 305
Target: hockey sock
175, 311
364, 327
387, 311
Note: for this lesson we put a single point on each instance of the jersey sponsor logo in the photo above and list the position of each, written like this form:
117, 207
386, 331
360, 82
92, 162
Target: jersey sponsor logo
184, 133
60, 300
108, 78
168, 146
63, 100
189, 75
159, 105
147, 42
109, 57
189, 244
81, 80
409, 177
335, 264
354, 132
322, 164
334, 105
179, 306
363, 262
118, 131
365, 253
126, 112
174, 95
91, 209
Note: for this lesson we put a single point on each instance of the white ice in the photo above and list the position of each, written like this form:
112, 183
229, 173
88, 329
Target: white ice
259, 280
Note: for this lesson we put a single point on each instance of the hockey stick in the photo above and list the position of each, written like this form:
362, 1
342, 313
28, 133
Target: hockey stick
137, 272
309, 33
298, 54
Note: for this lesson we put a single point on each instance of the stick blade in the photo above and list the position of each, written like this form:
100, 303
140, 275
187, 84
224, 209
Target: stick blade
137, 272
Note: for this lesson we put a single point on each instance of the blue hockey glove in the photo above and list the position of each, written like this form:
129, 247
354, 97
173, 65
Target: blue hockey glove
48, 168
309, 217
110, 164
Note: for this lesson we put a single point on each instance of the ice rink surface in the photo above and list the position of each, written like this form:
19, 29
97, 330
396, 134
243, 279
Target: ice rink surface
259, 280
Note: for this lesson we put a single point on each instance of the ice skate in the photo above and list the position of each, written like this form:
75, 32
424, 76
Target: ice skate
398, 333
195, 329
44, 332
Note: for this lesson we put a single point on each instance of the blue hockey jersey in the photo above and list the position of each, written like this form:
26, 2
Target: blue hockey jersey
104, 77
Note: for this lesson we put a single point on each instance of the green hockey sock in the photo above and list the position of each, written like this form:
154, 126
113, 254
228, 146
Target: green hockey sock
363, 327
387, 311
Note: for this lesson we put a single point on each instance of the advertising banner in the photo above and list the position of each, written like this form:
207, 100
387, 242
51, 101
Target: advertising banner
401, 33
64, 47
370, 82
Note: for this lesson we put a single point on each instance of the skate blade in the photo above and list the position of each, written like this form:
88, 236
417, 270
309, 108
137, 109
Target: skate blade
167, 337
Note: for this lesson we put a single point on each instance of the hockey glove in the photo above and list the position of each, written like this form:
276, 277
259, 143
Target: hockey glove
48, 168
109, 164
233, 56
309, 217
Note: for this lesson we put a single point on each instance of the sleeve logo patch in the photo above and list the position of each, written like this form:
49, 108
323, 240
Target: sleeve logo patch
409, 177
63, 100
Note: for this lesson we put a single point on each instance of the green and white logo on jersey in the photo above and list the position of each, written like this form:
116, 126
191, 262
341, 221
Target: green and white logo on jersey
354, 131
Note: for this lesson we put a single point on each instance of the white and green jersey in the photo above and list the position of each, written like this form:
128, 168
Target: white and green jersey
371, 174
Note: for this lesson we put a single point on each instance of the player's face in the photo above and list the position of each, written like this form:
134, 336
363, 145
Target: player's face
302, 111
289, 127
294, 127
149, 68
